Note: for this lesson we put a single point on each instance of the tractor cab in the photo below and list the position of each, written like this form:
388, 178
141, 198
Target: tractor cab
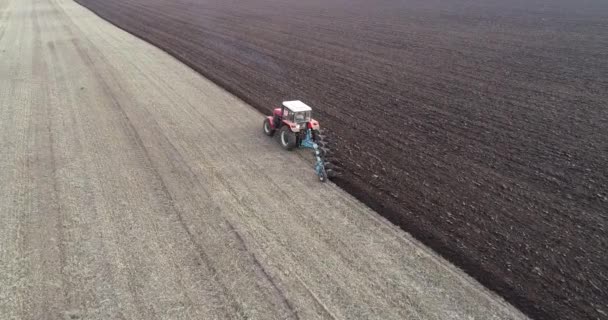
293, 121
295, 114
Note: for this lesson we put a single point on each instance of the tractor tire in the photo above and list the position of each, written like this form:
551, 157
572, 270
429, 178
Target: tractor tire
268, 130
287, 138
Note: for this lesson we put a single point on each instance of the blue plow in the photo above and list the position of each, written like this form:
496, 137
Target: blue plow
320, 162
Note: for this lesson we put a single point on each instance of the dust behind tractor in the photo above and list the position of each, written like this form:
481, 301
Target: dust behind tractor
297, 129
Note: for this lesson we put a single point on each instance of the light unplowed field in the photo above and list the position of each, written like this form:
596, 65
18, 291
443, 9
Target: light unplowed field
479, 126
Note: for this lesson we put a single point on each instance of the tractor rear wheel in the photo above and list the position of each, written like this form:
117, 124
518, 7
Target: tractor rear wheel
288, 138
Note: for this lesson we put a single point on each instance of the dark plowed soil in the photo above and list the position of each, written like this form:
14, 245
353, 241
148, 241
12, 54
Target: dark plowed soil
481, 127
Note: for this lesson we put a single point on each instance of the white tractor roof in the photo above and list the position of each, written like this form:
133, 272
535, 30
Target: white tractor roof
296, 106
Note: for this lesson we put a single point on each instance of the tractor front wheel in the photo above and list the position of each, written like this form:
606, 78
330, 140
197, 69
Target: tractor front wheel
288, 138
268, 130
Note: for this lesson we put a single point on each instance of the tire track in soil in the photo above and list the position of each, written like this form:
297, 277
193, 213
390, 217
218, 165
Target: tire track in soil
48, 241
165, 191
147, 160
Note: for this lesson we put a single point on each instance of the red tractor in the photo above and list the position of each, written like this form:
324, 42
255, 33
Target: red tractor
297, 129
293, 120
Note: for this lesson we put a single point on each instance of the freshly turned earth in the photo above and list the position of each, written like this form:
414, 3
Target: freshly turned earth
481, 127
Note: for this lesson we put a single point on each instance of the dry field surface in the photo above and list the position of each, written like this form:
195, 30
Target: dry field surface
128, 193
479, 126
